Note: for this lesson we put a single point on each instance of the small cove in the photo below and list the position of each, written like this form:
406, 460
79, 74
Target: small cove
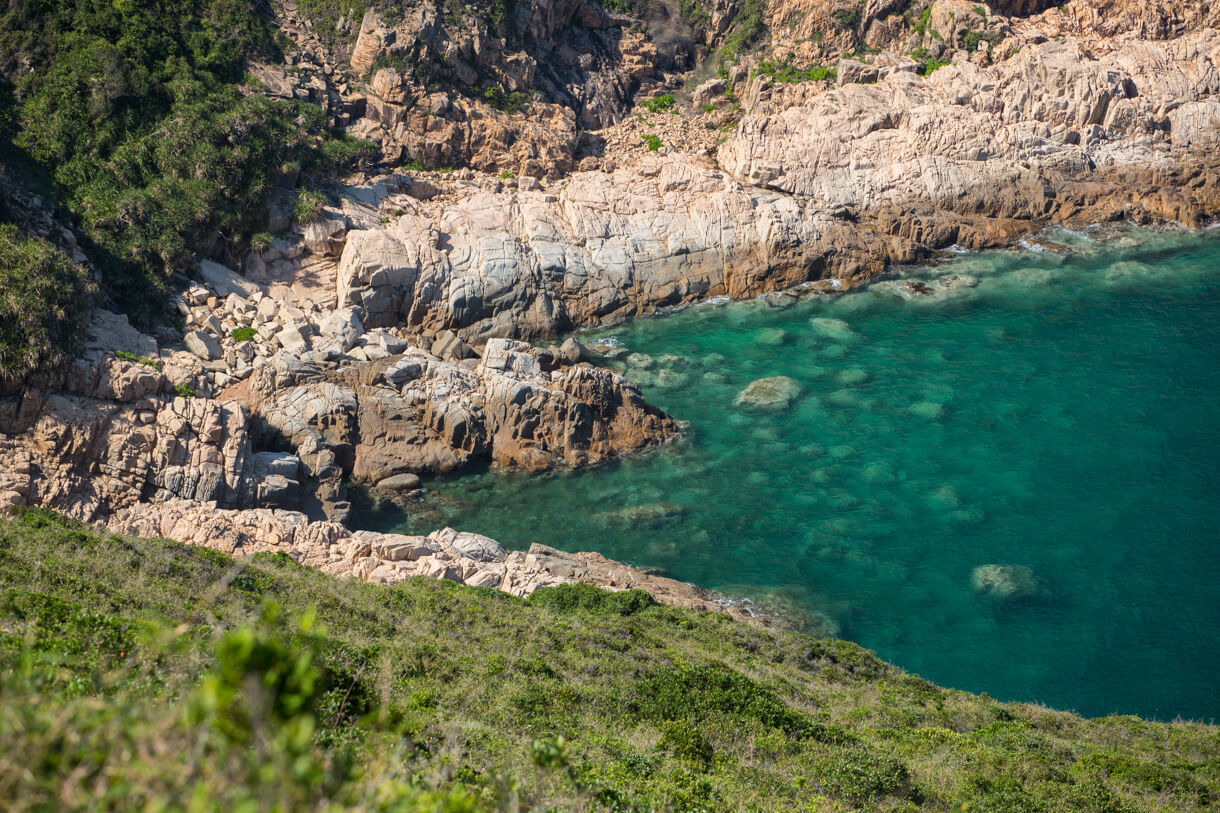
1060, 416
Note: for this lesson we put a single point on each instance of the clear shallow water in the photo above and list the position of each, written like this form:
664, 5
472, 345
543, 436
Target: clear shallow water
1062, 415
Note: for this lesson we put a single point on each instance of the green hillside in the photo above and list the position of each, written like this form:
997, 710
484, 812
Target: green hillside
146, 675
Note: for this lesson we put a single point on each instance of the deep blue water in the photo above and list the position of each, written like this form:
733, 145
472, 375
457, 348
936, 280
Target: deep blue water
1060, 416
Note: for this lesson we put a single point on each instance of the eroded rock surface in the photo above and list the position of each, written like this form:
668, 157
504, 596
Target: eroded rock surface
388, 558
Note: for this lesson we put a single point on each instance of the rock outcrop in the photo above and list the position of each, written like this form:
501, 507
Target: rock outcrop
386, 558
381, 339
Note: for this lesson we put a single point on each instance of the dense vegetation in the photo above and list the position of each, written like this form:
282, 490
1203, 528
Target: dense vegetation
144, 674
134, 110
44, 304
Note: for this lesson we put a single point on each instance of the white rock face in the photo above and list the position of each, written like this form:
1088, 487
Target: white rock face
966, 132
226, 281
516, 264
202, 345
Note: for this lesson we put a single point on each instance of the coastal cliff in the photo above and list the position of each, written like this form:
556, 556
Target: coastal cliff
535, 168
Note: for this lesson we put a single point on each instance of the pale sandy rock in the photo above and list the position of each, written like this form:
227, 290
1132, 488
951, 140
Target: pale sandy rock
368, 44
203, 345
225, 281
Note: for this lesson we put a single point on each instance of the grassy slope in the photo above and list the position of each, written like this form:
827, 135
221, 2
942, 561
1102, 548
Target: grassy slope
137, 672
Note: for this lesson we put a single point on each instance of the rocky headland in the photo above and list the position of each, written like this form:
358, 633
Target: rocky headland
576, 167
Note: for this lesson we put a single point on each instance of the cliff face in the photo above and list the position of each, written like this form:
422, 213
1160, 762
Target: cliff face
381, 337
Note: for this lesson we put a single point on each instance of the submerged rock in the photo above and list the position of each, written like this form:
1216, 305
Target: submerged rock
1004, 582
654, 513
775, 337
640, 361
943, 287
843, 398
852, 376
927, 409
835, 329
769, 394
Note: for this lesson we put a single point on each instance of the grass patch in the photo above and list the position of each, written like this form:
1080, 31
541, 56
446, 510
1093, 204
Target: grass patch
154, 675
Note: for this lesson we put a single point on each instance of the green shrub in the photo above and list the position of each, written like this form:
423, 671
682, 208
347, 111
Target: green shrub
45, 301
550, 753
861, 776
660, 104
184, 390
512, 102
243, 334
261, 242
788, 73
586, 598
147, 361
693, 692
972, 39
747, 29
848, 18
343, 150
507, 175
308, 207
134, 110
926, 63
683, 739
654, 142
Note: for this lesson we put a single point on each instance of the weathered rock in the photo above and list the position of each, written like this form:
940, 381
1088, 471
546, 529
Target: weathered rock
439, 416
399, 482
225, 281
769, 394
203, 345
1004, 582
472, 546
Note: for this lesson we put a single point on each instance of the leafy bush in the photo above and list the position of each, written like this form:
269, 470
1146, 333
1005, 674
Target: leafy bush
693, 692
586, 598
748, 27
926, 63
654, 142
261, 242
147, 361
512, 102
848, 18
133, 109
683, 739
972, 39
308, 206
860, 775
788, 73
243, 334
660, 104
45, 300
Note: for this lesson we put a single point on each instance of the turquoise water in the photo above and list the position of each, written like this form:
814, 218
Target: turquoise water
1061, 416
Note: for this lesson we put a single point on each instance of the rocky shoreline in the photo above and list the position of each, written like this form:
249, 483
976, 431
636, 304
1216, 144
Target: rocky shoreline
389, 336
